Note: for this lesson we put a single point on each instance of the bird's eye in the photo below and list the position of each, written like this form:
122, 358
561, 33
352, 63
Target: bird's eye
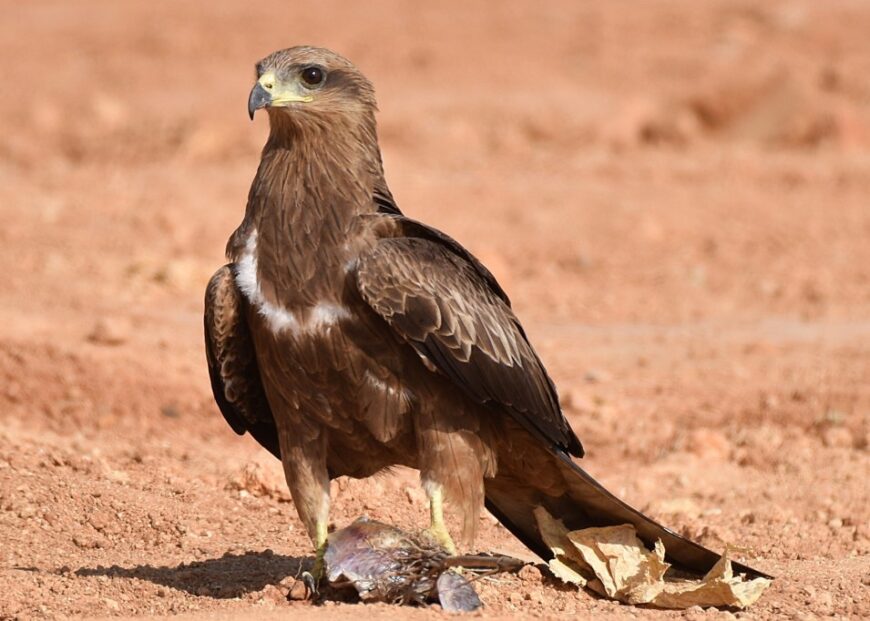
313, 76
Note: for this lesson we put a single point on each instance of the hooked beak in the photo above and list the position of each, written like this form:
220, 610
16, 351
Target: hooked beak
259, 98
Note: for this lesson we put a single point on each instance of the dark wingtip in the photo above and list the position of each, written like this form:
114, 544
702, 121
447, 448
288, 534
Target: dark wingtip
575, 447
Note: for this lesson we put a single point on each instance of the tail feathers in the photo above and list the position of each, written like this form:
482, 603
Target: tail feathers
588, 504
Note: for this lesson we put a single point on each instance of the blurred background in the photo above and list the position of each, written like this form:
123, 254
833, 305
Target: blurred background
675, 194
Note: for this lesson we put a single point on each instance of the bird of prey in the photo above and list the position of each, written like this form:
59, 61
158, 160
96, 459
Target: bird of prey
347, 338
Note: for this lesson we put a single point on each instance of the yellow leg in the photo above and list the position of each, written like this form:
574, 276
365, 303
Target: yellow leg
312, 579
320, 547
437, 528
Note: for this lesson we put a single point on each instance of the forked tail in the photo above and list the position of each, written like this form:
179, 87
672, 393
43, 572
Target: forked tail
588, 504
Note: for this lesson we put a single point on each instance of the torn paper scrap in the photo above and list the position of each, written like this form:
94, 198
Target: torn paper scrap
613, 562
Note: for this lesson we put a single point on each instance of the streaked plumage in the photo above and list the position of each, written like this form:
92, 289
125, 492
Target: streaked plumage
347, 338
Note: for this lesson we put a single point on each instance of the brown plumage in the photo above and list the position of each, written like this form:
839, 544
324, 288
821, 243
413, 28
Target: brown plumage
347, 338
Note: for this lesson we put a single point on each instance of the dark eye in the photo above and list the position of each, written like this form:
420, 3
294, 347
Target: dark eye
313, 76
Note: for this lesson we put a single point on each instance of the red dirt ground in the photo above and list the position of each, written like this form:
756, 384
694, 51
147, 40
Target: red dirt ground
675, 194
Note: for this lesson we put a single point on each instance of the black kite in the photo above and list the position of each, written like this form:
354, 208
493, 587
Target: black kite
347, 338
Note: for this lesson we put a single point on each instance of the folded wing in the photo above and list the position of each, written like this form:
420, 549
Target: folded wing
440, 300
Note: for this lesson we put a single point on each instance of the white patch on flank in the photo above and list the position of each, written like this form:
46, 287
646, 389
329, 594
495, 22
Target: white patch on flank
325, 314
321, 317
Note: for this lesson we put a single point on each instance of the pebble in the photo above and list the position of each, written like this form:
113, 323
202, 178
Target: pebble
110, 331
594, 376
298, 591
99, 520
709, 444
530, 573
837, 437
87, 543
271, 593
26, 512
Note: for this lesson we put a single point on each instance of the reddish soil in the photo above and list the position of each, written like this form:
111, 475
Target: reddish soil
675, 194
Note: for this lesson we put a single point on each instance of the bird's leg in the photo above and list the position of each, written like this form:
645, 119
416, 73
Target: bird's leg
437, 527
320, 549
319, 534
308, 479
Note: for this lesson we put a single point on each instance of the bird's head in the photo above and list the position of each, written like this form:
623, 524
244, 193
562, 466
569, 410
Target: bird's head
309, 84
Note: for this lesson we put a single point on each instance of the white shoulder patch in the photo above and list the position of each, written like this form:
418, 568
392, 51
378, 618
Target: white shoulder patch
320, 318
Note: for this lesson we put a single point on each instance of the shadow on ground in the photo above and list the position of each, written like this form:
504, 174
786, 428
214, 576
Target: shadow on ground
231, 575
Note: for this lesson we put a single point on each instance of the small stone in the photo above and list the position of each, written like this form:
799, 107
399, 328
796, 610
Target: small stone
837, 437
769, 402
536, 596
170, 410
709, 444
530, 573
594, 376
27, 512
298, 591
116, 476
111, 604
99, 520
110, 331
824, 603
271, 593
87, 543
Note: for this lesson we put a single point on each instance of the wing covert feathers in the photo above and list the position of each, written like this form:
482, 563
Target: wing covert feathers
460, 323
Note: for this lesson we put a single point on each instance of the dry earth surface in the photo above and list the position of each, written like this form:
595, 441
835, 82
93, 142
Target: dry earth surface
675, 194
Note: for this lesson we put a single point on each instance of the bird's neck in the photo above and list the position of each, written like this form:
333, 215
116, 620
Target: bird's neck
314, 173
306, 199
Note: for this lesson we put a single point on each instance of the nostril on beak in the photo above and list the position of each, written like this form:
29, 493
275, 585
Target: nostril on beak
268, 86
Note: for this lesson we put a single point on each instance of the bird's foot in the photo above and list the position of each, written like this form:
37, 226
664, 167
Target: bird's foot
313, 578
438, 531
312, 585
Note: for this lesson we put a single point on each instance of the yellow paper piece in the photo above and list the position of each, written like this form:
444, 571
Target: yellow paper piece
567, 572
555, 537
616, 564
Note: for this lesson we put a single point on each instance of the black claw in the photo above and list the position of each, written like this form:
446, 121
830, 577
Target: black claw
311, 584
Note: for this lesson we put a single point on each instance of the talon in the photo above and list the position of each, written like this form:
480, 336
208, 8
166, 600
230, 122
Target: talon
311, 585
